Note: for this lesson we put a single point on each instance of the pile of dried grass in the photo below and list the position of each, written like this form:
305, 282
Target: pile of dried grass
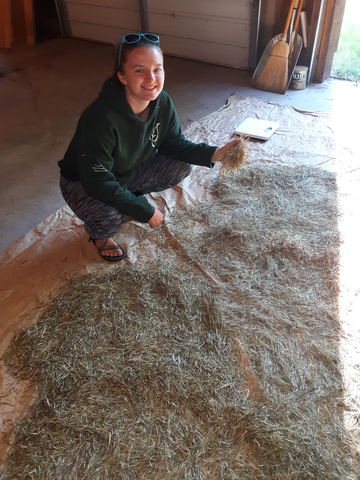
137, 379
235, 157
141, 371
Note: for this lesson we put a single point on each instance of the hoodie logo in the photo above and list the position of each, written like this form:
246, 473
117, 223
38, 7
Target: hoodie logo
99, 168
154, 135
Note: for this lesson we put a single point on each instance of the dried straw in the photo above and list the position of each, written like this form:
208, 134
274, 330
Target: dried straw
235, 157
140, 371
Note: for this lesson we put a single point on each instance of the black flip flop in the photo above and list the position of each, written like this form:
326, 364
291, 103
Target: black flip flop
110, 247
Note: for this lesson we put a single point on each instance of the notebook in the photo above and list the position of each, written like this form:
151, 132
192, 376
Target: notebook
255, 128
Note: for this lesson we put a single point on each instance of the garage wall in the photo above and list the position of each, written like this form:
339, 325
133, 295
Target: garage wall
213, 31
103, 20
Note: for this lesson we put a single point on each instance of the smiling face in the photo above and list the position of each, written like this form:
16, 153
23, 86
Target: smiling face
143, 77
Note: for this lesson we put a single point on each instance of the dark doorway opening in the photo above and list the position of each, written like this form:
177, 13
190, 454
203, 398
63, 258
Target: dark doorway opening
47, 22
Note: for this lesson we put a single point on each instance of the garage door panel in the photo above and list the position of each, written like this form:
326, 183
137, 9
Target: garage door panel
203, 51
98, 33
215, 31
119, 4
217, 8
225, 32
111, 17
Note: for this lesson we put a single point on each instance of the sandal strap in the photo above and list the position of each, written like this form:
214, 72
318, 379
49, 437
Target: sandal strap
104, 247
108, 258
110, 247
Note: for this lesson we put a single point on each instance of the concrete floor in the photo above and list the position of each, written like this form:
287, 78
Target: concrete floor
45, 87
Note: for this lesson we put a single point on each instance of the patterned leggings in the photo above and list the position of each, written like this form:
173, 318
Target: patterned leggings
103, 221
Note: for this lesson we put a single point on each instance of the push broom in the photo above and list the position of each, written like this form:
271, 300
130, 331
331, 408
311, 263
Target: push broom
271, 74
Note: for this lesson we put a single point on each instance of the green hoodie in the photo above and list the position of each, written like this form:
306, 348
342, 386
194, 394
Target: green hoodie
111, 141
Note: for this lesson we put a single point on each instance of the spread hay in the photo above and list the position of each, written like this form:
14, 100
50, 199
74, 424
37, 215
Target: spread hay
162, 372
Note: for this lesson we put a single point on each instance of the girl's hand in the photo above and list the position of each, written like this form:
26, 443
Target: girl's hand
156, 219
222, 151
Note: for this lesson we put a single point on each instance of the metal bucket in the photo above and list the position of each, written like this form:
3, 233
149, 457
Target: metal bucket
298, 81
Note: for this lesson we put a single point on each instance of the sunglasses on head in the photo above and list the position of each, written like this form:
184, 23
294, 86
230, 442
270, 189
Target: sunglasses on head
132, 38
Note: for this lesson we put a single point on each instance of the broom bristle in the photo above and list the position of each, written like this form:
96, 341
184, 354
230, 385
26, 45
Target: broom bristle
280, 49
274, 77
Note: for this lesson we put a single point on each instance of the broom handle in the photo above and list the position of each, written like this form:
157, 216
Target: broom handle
288, 20
297, 19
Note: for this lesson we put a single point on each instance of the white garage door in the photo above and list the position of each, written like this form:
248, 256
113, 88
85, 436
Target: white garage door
103, 20
212, 31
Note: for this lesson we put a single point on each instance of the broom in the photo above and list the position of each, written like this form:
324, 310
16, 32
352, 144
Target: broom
274, 76
298, 9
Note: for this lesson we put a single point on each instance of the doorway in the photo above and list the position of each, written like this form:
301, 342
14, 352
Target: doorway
47, 23
346, 62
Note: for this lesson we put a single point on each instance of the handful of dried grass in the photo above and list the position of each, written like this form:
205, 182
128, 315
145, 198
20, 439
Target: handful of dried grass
234, 157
